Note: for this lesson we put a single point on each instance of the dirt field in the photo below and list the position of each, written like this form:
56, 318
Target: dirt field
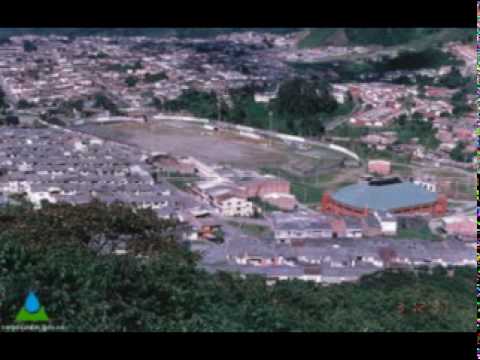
192, 140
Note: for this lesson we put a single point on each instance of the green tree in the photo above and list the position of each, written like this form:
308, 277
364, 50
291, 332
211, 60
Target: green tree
409, 103
458, 152
416, 116
152, 78
312, 126
157, 103
131, 81
415, 60
55, 121
29, 46
461, 109
137, 65
403, 80
199, 103
408, 128
245, 110
12, 120
303, 98
402, 120
460, 103
102, 55
453, 79
24, 104
67, 107
5, 41
3, 100
421, 91
101, 100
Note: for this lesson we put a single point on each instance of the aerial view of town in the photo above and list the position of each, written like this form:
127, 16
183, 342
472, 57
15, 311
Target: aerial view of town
238, 179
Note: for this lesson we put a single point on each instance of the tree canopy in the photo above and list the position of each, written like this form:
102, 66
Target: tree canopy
152, 78
453, 79
29, 46
12, 120
3, 100
304, 98
460, 102
131, 81
103, 101
416, 127
458, 153
304, 104
199, 103
415, 60
24, 104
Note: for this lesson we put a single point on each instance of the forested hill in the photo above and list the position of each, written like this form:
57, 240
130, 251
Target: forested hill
415, 37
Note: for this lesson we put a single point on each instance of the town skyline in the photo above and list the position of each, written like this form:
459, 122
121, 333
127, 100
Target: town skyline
315, 156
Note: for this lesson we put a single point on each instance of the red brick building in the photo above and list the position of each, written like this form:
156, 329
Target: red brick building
281, 200
381, 167
262, 187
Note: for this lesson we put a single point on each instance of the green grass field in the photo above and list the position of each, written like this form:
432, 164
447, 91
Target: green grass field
307, 189
307, 194
424, 233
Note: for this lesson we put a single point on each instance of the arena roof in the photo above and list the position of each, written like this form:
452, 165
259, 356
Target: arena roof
386, 198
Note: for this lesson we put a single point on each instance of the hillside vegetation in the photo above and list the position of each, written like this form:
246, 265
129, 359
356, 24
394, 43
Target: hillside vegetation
55, 253
415, 37
301, 107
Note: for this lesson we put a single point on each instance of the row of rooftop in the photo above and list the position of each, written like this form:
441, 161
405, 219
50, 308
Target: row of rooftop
74, 173
59, 71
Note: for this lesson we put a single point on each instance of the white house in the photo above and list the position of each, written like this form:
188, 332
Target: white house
264, 97
303, 226
36, 197
231, 205
388, 222
427, 185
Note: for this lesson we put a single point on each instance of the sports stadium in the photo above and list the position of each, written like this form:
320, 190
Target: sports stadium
392, 195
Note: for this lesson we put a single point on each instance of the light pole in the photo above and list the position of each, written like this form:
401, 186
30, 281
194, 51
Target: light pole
270, 125
218, 108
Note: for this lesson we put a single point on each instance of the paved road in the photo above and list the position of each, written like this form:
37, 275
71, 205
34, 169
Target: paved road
310, 142
341, 120
251, 221
435, 226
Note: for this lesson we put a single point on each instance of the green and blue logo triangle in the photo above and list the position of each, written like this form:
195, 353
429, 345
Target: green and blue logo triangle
32, 310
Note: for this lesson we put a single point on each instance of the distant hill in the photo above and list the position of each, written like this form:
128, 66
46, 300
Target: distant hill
153, 32
415, 37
